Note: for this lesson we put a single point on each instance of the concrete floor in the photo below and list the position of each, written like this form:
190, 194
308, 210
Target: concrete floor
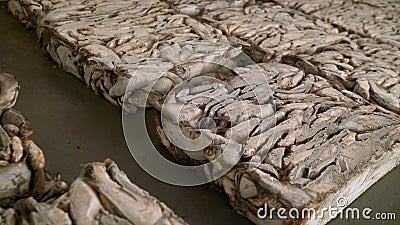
74, 126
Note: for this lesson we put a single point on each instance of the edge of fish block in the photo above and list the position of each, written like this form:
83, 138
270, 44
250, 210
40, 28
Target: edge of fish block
358, 184
26, 17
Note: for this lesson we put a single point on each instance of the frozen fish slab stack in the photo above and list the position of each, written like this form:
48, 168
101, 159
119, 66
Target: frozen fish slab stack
375, 19
103, 43
321, 144
106, 52
321, 124
373, 25
342, 71
352, 61
343, 55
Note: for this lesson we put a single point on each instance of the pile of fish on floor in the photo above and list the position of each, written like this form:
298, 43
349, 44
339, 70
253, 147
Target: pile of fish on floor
102, 194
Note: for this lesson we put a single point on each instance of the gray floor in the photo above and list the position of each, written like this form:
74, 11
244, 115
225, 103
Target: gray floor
73, 126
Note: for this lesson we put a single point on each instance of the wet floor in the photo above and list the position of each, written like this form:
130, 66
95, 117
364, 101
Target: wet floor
74, 126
